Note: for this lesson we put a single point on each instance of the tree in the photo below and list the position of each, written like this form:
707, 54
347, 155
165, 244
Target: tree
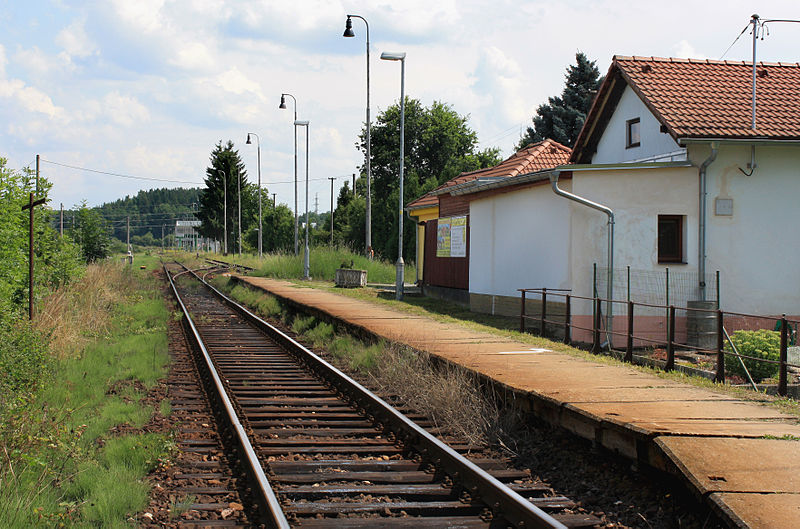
91, 234
438, 146
225, 161
562, 118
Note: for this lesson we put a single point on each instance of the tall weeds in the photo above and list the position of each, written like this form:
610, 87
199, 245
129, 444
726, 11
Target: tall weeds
451, 397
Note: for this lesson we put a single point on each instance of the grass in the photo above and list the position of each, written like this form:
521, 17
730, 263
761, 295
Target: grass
323, 263
62, 464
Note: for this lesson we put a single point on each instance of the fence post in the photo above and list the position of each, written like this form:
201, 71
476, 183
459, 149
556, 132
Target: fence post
543, 324
596, 327
720, 376
567, 317
671, 340
629, 349
782, 389
522, 312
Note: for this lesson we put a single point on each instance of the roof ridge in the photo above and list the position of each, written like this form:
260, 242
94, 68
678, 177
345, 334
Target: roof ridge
690, 60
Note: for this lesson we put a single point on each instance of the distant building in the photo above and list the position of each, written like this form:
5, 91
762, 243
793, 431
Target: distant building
187, 238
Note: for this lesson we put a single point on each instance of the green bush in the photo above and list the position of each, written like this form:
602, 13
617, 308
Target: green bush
758, 344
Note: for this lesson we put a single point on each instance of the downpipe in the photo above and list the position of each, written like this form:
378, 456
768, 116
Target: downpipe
701, 237
610, 213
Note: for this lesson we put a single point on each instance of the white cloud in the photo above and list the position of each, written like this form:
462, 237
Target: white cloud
142, 16
235, 82
29, 98
125, 110
41, 64
685, 50
193, 55
74, 40
3, 61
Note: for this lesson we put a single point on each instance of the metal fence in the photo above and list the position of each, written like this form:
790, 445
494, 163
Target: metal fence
707, 329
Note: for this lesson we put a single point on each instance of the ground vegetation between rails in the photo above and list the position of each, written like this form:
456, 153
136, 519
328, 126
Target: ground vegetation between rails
604, 484
71, 450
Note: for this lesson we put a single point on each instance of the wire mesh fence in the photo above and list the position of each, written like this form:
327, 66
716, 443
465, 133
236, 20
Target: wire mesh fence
724, 346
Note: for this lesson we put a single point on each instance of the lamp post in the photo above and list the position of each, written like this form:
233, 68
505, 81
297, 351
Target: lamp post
258, 143
306, 261
283, 106
225, 211
348, 32
239, 193
332, 179
401, 56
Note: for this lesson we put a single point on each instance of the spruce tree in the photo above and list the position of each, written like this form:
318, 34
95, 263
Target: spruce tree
561, 118
225, 160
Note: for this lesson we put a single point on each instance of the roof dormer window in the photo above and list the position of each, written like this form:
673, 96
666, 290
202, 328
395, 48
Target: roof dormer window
632, 137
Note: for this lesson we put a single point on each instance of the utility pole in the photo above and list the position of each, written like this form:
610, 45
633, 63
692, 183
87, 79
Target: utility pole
29, 206
162, 238
354, 184
61, 229
37, 175
316, 203
274, 204
331, 178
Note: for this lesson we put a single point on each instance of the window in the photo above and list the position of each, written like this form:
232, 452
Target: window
632, 137
670, 238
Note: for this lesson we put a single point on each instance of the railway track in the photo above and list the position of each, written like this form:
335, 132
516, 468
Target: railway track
322, 451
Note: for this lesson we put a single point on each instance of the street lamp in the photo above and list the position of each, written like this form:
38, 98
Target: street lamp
386, 56
225, 210
348, 32
283, 106
306, 261
258, 140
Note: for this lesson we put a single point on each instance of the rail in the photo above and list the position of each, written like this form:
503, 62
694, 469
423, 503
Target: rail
545, 323
494, 493
268, 503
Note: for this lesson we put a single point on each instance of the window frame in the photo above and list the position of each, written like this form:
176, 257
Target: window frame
670, 258
628, 125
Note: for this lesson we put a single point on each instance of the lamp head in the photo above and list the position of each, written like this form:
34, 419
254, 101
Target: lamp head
248, 139
393, 56
283, 102
348, 28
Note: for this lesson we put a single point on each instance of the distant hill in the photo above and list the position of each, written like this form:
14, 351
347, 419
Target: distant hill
149, 211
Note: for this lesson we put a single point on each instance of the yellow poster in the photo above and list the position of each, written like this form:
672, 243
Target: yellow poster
443, 238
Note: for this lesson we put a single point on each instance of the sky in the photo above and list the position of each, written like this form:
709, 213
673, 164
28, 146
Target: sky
147, 88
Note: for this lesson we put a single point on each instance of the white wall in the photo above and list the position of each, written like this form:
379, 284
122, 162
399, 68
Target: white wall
637, 197
611, 147
757, 249
519, 240
533, 238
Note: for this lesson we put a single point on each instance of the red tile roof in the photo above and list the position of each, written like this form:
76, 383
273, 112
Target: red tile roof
700, 99
545, 154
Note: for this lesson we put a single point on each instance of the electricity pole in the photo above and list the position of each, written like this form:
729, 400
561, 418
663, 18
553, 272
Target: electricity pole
61, 229
29, 206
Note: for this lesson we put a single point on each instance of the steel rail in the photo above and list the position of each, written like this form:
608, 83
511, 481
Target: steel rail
503, 501
268, 502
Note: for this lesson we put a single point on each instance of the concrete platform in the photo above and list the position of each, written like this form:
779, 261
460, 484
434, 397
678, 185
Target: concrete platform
727, 450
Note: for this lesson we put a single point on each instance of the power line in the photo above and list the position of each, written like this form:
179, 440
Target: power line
119, 175
734, 41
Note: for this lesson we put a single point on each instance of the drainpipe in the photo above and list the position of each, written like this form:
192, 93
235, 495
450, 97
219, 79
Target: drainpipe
701, 239
608, 211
